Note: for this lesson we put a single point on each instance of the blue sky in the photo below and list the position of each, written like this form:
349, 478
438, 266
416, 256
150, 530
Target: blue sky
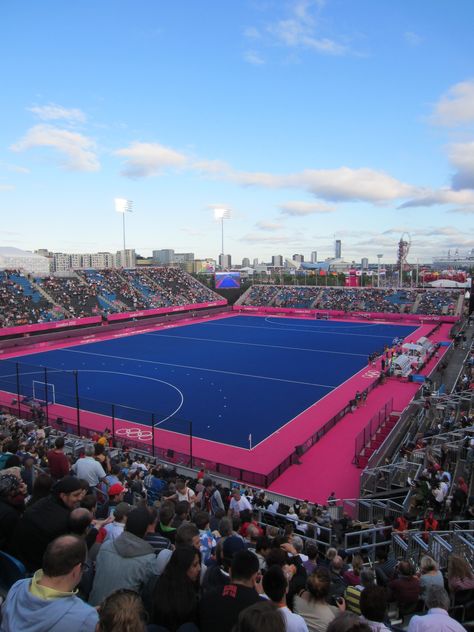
309, 119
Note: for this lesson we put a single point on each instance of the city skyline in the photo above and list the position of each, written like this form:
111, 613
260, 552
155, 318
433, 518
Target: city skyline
310, 120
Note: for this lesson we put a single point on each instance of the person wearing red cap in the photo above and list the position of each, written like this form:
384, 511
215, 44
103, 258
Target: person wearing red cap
115, 492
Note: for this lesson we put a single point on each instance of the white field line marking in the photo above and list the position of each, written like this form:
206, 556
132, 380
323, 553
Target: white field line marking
256, 344
333, 333
198, 368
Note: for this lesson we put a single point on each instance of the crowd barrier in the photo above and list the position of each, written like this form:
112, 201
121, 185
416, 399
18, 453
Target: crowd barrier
57, 324
365, 436
111, 318
331, 313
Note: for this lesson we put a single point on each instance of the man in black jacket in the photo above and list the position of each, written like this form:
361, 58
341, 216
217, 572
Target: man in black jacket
46, 520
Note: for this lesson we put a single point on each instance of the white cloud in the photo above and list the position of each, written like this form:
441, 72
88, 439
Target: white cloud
300, 30
269, 226
193, 232
464, 197
254, 58
149, 159
300, 209
461, 155
6, 187
78, 151
52, 112
456, 107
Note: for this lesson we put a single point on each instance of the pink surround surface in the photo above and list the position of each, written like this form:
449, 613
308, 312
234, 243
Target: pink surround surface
326, 467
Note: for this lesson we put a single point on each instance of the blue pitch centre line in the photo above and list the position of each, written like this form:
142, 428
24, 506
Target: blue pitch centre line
256, 344
300, 329
196, 368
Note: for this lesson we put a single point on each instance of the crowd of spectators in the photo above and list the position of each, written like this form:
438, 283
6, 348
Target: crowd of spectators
438, 302
92, 292
77, 299
18, 308
389, 300
140, 543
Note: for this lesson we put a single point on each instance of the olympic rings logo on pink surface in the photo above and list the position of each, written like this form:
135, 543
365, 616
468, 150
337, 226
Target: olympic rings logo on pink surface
371, 374
135, 434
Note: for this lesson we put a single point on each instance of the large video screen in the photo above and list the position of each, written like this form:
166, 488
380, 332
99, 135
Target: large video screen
227, 280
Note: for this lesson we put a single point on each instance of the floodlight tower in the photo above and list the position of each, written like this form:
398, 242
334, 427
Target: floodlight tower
379, 257
123, 206
222, 214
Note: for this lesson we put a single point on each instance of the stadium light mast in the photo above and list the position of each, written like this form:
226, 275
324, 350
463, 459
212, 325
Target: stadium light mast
379, 257
222, 214
123, 206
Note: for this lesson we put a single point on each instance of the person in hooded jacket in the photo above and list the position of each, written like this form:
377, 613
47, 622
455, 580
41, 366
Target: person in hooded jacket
127, 562
47, 602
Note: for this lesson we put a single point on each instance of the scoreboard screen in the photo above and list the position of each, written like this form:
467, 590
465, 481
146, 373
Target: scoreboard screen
227, 280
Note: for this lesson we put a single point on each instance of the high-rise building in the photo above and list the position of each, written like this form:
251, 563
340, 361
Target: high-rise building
297, 257
245, 262
314, 256
126, 258
364, 263
277, 261
338, 250
255, 262
164, 257
225, 262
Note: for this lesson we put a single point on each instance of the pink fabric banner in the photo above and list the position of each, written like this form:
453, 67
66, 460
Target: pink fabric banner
58, 324
419, 318
163, 310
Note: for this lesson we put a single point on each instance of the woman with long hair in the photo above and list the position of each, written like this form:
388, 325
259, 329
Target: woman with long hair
352, 577
175, 598
312, 603
460, 574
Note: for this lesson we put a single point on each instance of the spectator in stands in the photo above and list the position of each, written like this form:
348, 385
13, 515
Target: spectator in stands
126, 562
219, 611
208, 542
405, 589
47, 602
58, 463
12, 500
460, 575
175, 598
353, 593
112, 530
238, 503
89, 469
261, 617
164, 526
352, 576
41, 488
122, 611
157, 541
373, 607
217, 575
338, 584
312, 603
311, 563
46, 520
430, 575
275, 585
437, 617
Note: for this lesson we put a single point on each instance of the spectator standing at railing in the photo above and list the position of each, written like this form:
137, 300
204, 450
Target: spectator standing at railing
430, 575
405, 589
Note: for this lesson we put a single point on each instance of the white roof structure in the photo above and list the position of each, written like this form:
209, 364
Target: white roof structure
16, 259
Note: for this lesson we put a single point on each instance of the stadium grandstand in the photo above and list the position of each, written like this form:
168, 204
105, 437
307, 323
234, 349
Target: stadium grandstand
343, 465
